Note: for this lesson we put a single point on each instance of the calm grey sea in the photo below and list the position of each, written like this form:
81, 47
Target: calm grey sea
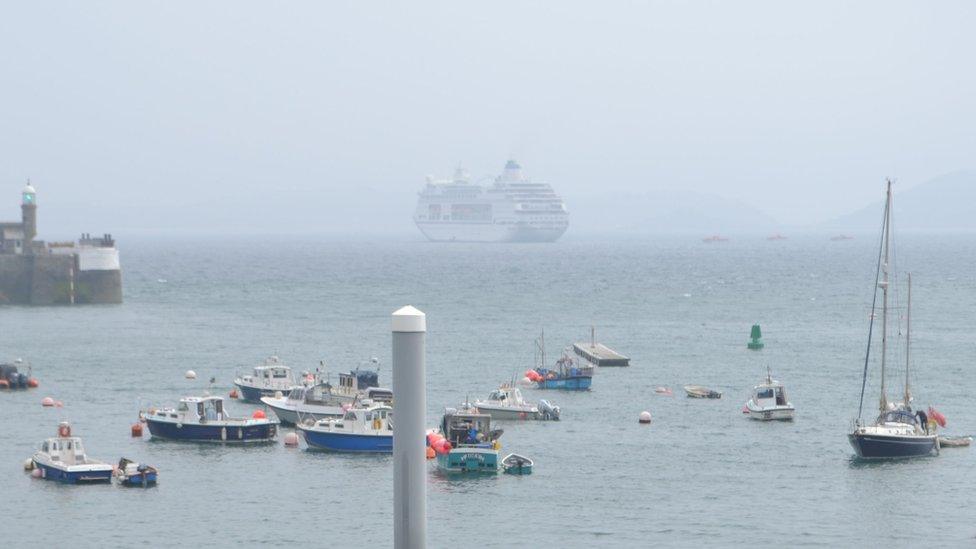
701, 473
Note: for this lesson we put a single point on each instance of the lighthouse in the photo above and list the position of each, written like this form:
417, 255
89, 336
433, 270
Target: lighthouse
28, 210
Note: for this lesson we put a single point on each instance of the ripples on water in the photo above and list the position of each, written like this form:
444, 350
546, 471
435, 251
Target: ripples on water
701, 473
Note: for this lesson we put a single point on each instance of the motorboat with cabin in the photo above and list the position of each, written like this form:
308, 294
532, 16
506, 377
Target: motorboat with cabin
769, 401
507, 402
267, 379
63, 459
898, 431
323, 400
472, 446
131, 473
203, 419
359, 430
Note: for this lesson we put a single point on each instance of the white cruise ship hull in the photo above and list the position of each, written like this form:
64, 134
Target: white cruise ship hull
488, 232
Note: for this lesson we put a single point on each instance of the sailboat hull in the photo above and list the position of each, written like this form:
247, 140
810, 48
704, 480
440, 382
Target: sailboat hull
876, 446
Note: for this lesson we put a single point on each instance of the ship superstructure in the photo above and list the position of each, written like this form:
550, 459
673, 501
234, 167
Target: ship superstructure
512, 209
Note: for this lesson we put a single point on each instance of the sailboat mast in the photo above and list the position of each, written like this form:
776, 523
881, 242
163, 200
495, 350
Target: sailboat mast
883, 404
908, 341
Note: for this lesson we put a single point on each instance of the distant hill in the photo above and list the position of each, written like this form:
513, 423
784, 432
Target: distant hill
947, 202
665, 212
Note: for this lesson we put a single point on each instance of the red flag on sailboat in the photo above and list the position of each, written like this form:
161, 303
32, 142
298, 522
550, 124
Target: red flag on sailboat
937, 416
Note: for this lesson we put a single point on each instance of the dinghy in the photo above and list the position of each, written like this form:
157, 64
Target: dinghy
515, 464
697, 391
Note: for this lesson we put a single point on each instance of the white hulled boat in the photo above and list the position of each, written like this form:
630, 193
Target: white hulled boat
769, 401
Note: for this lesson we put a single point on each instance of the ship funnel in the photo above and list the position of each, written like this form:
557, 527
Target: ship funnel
513, 171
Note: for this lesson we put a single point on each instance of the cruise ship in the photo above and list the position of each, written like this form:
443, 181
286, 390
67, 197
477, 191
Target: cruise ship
512, 209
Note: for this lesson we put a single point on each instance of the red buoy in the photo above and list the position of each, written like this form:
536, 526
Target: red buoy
233, 393
137, 429
4, 384
259, 414
33, 383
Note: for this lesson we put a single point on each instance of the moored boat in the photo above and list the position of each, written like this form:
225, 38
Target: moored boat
768, 401
130, 473
698, 391
323, 400
63, 459
567, 375
471, 445
898, 431
507, 403
360, 430
515, 464
11, 376
203, 419
267, 379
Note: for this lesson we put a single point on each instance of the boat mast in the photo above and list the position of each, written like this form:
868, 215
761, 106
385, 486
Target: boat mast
883, 404
908, 341
874, 302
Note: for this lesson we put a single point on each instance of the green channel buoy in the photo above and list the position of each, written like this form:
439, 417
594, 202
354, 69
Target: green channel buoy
757, 342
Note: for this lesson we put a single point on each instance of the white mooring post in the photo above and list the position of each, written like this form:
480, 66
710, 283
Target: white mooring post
409, 446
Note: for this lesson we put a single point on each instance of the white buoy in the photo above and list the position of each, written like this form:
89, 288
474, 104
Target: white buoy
29, 465
47, 402
645, 417
409, 462
291, 439
190, 374
526, 382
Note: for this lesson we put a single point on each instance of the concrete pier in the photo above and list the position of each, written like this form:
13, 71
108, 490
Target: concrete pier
409, 445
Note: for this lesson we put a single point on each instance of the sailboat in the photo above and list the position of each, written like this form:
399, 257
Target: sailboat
898, 432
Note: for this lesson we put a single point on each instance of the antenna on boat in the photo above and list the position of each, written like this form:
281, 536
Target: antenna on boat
908, 341
883, 402
592, 336
769, 375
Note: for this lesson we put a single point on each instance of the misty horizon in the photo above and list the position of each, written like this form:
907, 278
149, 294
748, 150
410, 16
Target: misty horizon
249, 119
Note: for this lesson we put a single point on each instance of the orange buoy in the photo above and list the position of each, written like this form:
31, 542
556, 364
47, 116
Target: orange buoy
47, 402
137, 429
4, 384
33, 383
233, 393
431, 453
259, 414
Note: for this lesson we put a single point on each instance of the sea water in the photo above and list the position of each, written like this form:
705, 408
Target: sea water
702, 472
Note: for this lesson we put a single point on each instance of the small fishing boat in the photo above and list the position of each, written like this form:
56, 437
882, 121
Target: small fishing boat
267, 379
471, 445
361, 430
898, 431
11, 376
515, 464
507, 402
769, 401
130, 473
63, 459
698, 391
323, 400
567, 375
203, 419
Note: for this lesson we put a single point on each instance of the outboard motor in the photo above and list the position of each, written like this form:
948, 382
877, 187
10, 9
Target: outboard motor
22, 380
548, 410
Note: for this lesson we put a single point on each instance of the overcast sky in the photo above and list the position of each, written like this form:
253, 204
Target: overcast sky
316, 116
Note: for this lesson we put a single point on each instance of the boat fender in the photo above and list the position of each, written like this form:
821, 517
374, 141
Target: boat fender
29, 464
223, 433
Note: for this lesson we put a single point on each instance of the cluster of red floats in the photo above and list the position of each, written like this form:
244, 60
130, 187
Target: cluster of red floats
437, 445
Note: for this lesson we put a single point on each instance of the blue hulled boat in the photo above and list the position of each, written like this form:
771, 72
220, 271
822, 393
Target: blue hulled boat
323, 400
567, 375
130, 473
898, 431
266, 380
202, 419
63, 459
360, 430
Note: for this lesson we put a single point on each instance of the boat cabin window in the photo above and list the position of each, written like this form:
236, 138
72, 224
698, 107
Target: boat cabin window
497, 395
780, 397
280, 374
765, 392
899, 416
350, 415
44, 447
369, 416
183, 407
